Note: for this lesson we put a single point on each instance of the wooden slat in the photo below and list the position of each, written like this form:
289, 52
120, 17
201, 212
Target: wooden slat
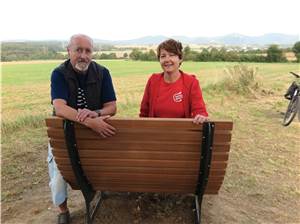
154, 146
106, 154
179, 136
54, 122
142, 163
146, 155
140, 135
142, 187
140, 170
148, 123
143, 178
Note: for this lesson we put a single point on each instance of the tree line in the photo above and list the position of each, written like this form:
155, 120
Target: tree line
15, 51
272, 54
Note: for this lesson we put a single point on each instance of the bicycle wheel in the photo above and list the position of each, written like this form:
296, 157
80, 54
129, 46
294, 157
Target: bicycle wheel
291, 110
299, 108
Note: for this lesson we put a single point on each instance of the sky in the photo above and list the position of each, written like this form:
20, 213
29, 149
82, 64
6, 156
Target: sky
129, 19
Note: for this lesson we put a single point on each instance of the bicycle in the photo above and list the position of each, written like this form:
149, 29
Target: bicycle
292, 94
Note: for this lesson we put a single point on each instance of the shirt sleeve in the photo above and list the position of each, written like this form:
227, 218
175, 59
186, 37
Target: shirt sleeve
59, 86
144, 108
197, 102
108, 92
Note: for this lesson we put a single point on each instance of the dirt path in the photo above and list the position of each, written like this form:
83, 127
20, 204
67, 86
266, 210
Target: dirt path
36, 207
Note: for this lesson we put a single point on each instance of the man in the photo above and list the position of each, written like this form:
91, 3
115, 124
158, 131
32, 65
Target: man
81, 91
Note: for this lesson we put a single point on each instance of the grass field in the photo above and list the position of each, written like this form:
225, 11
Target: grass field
263, 177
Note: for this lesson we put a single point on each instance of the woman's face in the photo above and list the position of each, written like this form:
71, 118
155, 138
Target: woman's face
169, 62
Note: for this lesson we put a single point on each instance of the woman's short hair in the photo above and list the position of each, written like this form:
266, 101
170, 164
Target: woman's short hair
172, 46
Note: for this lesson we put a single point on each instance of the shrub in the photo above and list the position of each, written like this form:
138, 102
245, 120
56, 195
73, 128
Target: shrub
240, 79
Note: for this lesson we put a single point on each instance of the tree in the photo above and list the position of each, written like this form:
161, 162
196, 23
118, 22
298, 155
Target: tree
135, 54
152, 56
189, 54
186, 50
274, 54
296, 50
204, 55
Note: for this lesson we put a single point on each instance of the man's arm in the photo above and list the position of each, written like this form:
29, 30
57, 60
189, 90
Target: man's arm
97, 124
109, 108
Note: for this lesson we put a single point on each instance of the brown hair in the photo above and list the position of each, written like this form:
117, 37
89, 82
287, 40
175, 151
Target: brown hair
172, 46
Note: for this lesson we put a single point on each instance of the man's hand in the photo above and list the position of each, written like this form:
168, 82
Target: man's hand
84, 113
100, 126
199, 119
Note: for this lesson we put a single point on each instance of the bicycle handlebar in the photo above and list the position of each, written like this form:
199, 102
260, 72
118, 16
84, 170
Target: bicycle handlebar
294, 74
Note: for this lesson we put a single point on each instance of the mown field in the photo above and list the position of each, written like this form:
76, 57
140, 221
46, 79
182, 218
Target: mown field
263, 176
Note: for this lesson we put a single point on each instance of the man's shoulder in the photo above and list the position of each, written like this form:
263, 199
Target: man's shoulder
58, 73
63, 66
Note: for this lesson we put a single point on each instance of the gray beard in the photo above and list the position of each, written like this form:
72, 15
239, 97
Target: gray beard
81, 67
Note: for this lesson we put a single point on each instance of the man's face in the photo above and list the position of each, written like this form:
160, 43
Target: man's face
80, 53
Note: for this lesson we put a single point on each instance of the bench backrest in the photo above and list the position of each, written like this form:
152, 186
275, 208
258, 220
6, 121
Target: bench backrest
145, 155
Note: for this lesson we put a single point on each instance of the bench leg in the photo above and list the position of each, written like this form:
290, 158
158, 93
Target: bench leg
89, 194
205, 160
92, 207
197, 209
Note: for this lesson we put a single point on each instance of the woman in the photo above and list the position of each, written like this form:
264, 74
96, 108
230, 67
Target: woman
173, 93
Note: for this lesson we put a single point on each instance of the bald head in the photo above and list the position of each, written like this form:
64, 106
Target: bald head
80, 50
75, 37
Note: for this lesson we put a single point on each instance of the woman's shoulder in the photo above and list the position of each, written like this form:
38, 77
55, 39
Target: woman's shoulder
189, 77
155, 76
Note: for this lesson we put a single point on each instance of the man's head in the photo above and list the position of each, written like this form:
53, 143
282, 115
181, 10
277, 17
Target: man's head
80, 50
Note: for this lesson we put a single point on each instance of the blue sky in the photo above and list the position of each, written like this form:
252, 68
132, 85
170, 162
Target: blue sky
121, 19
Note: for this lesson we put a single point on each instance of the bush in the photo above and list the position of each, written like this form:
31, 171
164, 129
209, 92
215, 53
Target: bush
241, 79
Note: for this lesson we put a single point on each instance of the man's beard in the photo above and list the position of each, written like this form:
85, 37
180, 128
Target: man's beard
82, 66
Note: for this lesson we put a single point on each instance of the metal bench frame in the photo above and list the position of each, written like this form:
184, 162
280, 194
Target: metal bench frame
92, 197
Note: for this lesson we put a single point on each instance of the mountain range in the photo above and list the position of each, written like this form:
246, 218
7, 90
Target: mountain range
230, 39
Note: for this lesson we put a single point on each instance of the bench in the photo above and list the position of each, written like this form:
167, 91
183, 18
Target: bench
146, 155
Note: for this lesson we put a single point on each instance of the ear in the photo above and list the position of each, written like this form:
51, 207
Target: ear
180, 61
68, 50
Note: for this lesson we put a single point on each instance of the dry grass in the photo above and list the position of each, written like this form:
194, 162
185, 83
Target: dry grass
263, 176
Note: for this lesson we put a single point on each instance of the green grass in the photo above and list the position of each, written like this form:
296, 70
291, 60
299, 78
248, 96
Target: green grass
263, 168
22, 74
26, 86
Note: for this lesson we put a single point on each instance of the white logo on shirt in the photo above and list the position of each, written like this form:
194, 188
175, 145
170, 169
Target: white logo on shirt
177, 97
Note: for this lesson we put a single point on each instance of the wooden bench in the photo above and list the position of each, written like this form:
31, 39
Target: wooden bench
145, 155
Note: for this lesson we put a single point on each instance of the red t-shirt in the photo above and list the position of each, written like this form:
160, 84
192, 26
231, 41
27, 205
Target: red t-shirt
170, 100
192, 101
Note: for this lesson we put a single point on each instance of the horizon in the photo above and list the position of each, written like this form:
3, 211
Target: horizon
159, 35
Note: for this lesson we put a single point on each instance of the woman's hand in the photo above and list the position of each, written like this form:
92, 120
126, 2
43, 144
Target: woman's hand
199, 119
